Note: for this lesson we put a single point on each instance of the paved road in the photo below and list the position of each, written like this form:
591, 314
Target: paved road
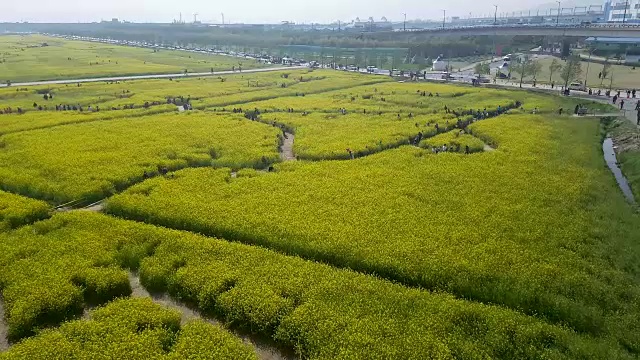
156, 76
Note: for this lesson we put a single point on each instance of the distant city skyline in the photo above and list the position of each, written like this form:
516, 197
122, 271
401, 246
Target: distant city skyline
253, 11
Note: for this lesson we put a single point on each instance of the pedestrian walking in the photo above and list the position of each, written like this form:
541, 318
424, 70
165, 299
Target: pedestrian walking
621, 104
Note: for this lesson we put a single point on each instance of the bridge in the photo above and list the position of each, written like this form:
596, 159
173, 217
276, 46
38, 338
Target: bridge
594, 30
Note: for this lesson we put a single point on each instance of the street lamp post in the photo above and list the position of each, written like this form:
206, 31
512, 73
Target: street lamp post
558, 16
404, 24
444, 17
626, 3
495, 15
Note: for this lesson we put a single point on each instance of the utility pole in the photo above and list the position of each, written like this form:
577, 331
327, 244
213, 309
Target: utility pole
495, 15
558, 16
444, 17
404, 24
626, 3
339, 26
222, 18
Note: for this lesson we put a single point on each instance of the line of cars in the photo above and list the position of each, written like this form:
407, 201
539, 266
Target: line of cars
263, 58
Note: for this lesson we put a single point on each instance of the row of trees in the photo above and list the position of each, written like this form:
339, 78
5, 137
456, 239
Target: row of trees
569, 72
529, 67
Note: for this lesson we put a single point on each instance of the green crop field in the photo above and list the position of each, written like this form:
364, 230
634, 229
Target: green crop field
421, 221
35, 57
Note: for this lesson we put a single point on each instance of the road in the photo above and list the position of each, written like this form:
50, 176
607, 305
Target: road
156, 76
595, 30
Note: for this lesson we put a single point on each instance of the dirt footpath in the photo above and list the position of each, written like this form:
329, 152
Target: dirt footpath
4, 343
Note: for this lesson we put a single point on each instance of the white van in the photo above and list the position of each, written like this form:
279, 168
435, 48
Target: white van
578, 86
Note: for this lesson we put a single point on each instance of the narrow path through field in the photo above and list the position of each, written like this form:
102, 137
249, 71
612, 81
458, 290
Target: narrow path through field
286, 150
264, 350
95, 207
4, 343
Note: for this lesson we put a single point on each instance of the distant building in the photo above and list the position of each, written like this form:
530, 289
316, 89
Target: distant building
618, 11
630, 47
371, 25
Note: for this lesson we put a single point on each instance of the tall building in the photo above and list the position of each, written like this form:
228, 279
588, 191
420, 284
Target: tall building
619, 11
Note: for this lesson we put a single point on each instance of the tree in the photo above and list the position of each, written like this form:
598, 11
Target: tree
554, 67
606, 67
523, 67
571, 70
534, 68
482, 69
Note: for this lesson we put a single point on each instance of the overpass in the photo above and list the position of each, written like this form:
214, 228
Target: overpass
592, 30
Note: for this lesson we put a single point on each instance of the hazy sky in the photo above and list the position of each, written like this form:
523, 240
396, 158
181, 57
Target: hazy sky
255, 11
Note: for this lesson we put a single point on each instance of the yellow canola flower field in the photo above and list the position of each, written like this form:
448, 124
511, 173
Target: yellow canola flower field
318, 310
133, 329
322, 136
454, 141
12, 123
405, 98
525, 252
16, 210
533, 226
92, 160
138, 92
